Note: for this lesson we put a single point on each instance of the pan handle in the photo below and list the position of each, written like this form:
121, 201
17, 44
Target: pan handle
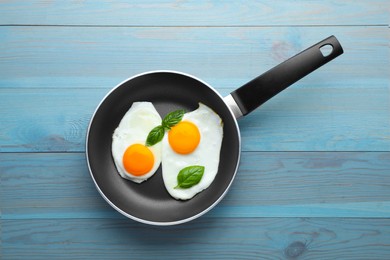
254, 93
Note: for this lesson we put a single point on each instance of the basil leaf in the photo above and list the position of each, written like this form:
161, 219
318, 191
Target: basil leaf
189, 176
155, 135
172, 118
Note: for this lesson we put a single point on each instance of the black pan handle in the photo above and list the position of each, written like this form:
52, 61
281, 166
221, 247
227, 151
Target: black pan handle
259, 90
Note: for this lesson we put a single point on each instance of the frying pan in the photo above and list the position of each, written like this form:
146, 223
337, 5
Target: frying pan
149, 202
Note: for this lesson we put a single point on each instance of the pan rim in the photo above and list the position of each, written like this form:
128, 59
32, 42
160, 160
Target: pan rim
162, 223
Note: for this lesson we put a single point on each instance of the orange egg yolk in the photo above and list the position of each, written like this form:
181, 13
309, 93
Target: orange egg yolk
184, 137
138, 159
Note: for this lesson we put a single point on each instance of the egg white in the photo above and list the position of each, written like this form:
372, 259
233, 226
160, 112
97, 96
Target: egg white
207, 153
134, 128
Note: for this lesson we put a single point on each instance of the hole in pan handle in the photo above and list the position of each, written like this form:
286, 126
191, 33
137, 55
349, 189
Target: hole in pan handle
259, 90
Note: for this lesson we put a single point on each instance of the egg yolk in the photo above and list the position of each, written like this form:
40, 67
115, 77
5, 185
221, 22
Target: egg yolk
138, 159
184, 137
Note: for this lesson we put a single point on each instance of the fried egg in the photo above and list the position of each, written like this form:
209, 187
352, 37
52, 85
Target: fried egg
133, 160
195, 140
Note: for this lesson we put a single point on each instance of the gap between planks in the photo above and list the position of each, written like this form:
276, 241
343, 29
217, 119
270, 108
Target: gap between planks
192, 26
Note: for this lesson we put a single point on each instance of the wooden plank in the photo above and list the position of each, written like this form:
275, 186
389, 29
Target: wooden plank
300, 119
53, 120
74, 57
194, 13
279, 184
264, 238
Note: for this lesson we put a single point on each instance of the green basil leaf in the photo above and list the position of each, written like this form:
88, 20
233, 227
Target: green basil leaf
155, 135
172, 118
189, 176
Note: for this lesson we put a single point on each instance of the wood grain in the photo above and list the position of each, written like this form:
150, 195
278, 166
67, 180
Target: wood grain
226, 57
281, 184
194, 13
205, 238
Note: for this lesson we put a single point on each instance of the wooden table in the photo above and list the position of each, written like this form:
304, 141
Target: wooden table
314, 179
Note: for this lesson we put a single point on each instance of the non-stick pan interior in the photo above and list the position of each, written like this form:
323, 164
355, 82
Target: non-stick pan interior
149, 201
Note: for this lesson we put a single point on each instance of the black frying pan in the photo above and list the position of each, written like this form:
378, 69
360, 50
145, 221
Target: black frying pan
149, 202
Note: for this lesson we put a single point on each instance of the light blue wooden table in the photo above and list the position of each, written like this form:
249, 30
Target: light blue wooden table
314, 179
